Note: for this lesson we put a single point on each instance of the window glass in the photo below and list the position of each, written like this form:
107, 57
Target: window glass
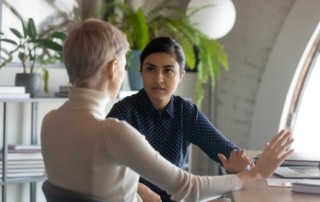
306, 126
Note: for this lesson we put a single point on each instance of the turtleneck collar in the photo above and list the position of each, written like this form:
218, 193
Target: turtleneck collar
85, 98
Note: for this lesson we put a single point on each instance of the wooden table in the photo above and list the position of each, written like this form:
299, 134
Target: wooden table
261, 192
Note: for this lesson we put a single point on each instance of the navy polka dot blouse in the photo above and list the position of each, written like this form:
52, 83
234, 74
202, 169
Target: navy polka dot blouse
173, 130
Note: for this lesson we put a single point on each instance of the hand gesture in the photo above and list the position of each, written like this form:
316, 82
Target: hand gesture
237, 161
274, 154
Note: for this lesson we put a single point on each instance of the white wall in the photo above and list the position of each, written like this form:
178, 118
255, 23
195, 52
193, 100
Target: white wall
283, 62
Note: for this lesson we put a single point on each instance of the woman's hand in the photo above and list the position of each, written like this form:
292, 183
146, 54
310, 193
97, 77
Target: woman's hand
271, 158
147, 194
237, 162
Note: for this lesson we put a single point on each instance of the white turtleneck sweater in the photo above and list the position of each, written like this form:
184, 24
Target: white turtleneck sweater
87, 153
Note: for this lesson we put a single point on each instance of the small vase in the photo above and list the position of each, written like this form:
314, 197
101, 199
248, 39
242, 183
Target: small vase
31, 82
133, 68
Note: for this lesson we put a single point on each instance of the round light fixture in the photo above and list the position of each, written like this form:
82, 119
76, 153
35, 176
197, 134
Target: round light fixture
216, 17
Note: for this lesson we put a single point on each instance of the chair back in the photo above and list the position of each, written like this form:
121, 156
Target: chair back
58, 194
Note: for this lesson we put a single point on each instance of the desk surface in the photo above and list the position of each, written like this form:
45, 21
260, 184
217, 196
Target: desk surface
261, 192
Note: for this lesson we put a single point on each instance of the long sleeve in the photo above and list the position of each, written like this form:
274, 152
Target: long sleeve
129, 147
206, 136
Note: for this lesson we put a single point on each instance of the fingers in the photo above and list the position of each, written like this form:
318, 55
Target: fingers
251, 162
240, 153
280, 138
275, 152
223, 159
233, 153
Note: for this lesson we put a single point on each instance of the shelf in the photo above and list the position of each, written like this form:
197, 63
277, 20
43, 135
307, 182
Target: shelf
39, 99
20, 180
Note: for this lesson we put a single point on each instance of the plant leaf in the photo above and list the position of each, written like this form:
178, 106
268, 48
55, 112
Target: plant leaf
16, 33
45, 78
59, 35
9, 41
31, 28
47, 43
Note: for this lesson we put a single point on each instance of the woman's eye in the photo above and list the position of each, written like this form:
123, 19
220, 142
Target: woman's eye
169, 71
149, 69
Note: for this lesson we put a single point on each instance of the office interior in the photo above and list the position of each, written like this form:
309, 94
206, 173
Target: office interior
250, 102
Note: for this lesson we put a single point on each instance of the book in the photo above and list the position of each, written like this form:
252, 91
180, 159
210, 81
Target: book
13, 164
24, 170
23, 156
23, 166
23, 147
25, 174
64, 89
306, 186
61, 94
12, 89
14, 95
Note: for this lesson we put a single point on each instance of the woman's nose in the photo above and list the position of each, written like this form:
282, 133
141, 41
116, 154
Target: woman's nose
158, 77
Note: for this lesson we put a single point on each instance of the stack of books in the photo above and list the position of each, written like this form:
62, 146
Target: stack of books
24, 161
306, 186
63, 91
13, 92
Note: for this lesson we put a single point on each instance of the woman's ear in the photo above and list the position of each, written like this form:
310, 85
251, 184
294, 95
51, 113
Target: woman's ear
182, 75
112, 69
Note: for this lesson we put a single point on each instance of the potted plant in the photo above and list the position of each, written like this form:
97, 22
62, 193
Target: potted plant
33, 50
135, 25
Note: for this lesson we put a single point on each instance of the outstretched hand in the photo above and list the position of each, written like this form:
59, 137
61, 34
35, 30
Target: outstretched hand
237, 161
273, 154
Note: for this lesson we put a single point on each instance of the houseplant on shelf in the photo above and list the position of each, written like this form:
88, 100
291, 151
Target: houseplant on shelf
203, 55
33, 50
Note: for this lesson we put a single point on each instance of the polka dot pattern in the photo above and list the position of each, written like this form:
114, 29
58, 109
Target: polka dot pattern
172, 131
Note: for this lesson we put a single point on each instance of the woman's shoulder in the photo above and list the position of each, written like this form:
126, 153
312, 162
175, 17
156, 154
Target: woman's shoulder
114, 127
115, 124
184, 102
127, 101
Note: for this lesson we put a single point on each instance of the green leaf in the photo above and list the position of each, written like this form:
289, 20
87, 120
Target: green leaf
31, 28
16, 33
45, 77
59, 35
47, 43
9, 41
24, 29
189, 53
141, 24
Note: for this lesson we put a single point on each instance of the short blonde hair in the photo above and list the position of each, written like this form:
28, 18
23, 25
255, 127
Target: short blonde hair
88, 47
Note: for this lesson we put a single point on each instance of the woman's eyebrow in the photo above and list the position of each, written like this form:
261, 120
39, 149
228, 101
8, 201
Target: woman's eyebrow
149, 64
164, 66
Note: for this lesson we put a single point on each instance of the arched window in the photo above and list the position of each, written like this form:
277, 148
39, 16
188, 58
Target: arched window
304, 111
